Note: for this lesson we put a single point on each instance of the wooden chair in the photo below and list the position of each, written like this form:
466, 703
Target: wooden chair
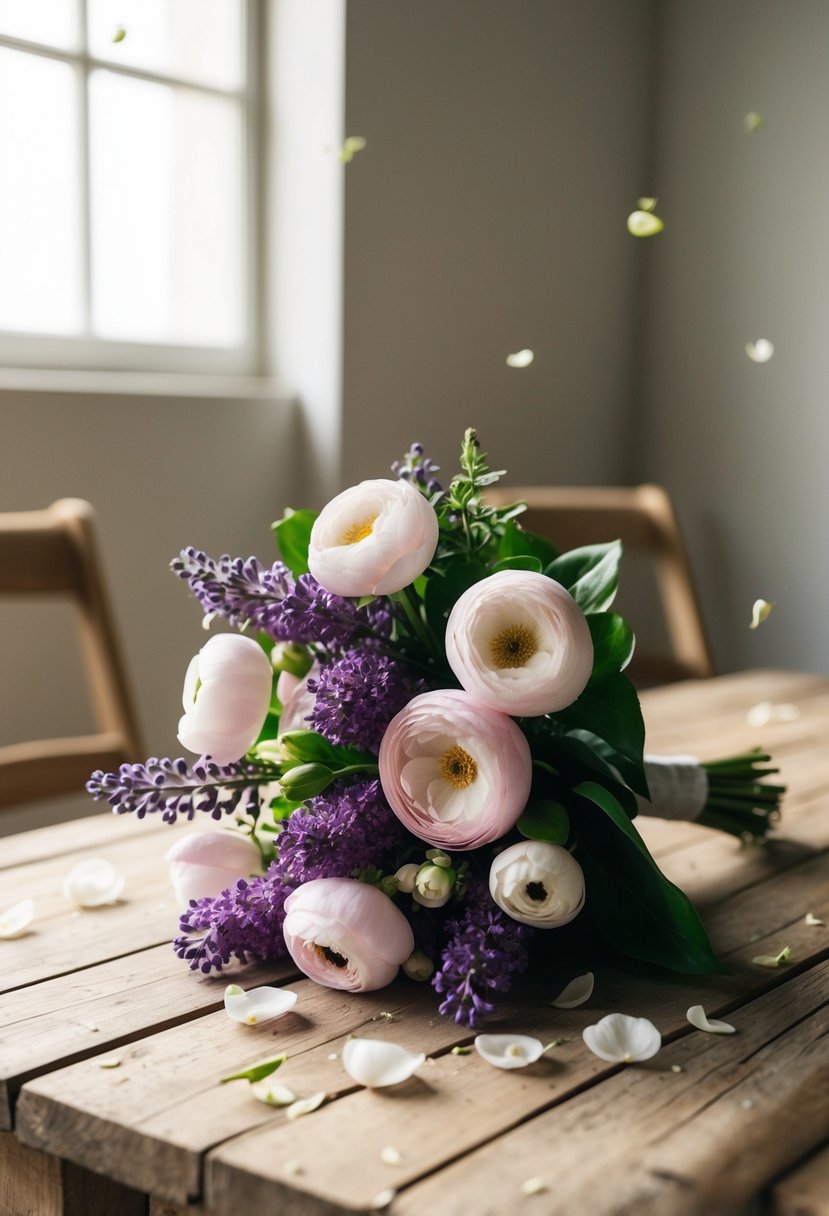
52, 553
643, 518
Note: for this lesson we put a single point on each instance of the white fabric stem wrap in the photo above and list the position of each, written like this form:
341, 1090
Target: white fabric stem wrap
678, 786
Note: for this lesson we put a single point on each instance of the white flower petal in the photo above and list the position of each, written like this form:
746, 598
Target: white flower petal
375, 1064
509, 1050
110, 1062
521, 358
390, 1155
760, 612
92, 883
272, 1093
576, 993
774, 960
760, 351
305, 1105
620, 1038
647, 204
533, 1186
811, 919
697, 1017
15, 920
258, 1004
382, 1199
766, 711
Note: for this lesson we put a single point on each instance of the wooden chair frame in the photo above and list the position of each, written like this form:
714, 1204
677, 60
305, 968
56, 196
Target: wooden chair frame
643, 518
53, 553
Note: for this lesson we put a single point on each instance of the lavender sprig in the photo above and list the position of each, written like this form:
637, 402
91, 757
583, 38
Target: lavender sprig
419, 470
244, 922
239, 589
486, 950
358, 695
174, 788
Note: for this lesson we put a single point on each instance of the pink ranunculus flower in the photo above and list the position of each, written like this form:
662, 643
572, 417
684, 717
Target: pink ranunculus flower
227, 691
519, 642
456, 773
297, 700
346, 934
206, 863
373, 539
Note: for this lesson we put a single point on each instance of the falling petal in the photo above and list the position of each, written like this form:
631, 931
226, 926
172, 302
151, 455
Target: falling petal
766, 711
811, 919
774, 960
760, 351
697, 1017
305, 1105
576, 993
120, 34
509, 1050
753, 121
16, 919
259, 1070
272, 1093
93, 883
258, 1004
391, 1156
533, 1186
647, 204
620, 1038
352, 145
521, 358
760, 612
376, 1064
644, 223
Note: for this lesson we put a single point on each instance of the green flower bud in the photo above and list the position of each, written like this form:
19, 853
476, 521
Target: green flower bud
305, 781
291, 657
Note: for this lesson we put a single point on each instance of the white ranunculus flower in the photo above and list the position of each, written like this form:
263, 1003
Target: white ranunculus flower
227, 692
433, 886
518, 642
204, 864
537, 883
373, 539
297, 700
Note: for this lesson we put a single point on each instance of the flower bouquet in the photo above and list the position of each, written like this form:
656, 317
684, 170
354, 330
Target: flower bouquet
430, 754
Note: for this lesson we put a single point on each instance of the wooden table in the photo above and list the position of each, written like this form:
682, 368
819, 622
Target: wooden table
111, 1050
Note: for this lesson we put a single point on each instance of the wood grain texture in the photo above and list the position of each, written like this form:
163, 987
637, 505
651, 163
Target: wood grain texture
30, 1181
100, 829
805, 1191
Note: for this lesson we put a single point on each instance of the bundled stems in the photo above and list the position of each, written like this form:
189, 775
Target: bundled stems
738, 802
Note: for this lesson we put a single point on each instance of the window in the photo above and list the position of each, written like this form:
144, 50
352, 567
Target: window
126, 183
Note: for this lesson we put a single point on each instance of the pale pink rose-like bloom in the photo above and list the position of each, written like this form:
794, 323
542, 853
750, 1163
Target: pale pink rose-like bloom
519, 642
297, 700
456, 773
373, 539
227, 692
206, 863
345, 934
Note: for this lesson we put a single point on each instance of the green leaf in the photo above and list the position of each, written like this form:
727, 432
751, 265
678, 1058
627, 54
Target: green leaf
258, 1071
632, 903
590, 574
613, 643
443, 591
518, 541
611, 712
523, 561
293, 533
545, 820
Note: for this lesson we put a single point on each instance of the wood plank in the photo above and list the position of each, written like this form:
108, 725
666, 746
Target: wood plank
30, 1181
650, 1141
805, 1191
97, 830
102, 1008
63, 939
176, 1112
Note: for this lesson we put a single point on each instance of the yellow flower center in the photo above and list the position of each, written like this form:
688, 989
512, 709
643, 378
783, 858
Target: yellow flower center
513, 646
458, 768
358, 531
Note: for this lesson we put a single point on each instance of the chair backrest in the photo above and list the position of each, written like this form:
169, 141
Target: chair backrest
52, 553
643, 518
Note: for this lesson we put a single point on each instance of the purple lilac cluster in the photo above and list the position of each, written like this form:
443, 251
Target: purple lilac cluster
485, 951
418, 469
345, 830
358, 695
173, 787
246, 593
244, 922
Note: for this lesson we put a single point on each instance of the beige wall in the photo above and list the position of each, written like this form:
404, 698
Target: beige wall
507, 142
744, 254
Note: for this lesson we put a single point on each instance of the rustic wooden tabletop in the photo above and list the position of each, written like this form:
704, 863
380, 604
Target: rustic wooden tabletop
111, 1051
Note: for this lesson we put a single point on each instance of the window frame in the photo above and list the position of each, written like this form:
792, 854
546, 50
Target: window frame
86, 351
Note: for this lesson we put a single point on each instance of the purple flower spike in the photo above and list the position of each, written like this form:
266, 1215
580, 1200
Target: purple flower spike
173, 787
358, 695
244, 922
